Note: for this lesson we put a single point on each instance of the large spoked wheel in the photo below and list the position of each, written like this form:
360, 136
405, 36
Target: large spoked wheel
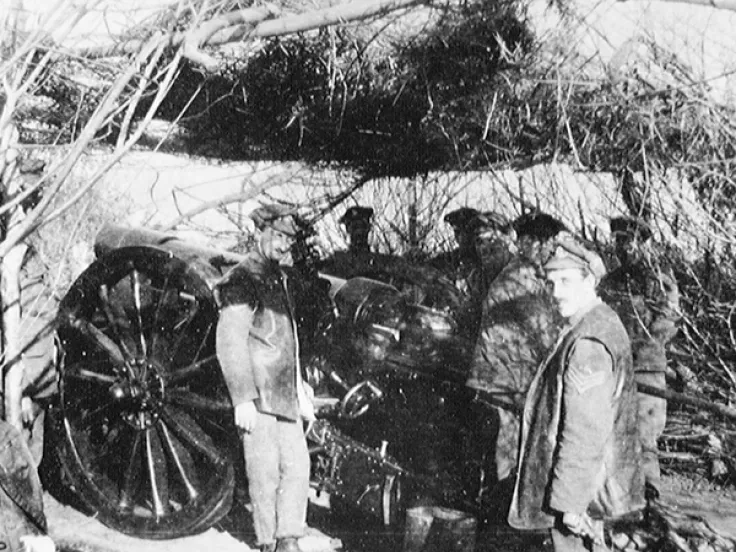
143, 425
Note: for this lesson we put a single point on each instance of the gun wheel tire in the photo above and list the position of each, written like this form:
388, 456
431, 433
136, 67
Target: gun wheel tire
143, 424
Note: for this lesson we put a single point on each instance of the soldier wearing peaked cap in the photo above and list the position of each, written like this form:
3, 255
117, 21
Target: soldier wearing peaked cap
358, 222
579, 454
572, 254
646, 297
483, 249
459, 218
519, 324
539, 225
357, 213
280, 218
630, 228
258, 350
358, 259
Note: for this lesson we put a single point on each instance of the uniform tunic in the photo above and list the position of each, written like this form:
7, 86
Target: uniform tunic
518, 327
579, 450
258, 351
647, 301
472, 272
21, 495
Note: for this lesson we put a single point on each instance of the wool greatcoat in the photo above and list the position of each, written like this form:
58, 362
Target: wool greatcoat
21, 495
258, 351
519, 325
647, 300
570, 463
268, 376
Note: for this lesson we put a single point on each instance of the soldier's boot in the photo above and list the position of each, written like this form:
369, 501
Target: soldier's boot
288, 545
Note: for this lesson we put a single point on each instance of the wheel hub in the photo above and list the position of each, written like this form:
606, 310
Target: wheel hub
140, 395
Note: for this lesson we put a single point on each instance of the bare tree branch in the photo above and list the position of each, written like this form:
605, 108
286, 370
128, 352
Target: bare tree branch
254, 23
252, 192
201, 35
717, 4
36, 217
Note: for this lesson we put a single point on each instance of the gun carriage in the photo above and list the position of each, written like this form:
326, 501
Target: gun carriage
142, 424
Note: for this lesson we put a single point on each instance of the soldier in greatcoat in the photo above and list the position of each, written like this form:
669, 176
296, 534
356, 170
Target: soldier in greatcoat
358, 259
646, 297
21, 495
483, 250
519, 325
579, 455
258, 349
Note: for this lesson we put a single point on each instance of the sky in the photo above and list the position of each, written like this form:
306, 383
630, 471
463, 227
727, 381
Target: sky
701, 36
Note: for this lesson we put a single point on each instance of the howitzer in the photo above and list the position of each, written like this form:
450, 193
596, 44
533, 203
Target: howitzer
142, 426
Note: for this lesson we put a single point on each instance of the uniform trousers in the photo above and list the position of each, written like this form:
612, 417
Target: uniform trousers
277, 466
652, 420
564, 541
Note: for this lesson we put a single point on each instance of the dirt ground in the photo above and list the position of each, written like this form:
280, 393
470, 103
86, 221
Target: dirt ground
76, 532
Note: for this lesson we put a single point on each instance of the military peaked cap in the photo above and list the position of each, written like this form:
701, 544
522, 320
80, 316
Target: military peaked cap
461, 217
632, 226
355, 213
539, 225
276, 216
488, 220
573, 254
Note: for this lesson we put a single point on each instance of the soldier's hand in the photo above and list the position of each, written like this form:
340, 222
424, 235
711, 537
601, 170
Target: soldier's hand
245, 416
583, 526
29, 411
575, 523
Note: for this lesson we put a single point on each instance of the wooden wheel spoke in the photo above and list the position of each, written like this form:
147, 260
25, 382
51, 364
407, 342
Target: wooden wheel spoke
191, 434
157, 473
190, 399
135, 282
191, 313
182, 326
91, 417
163, 294
116, 320
99, 339
203, 340
82, 372
144, 434
131, 476
180, 464
184, 373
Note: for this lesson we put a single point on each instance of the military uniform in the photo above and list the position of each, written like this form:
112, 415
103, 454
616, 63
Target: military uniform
21, 495
579, 455
646, 299
258, 350
481, 255
519, 324
357, 259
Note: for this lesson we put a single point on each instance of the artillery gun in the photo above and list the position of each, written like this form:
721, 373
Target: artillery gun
142, 425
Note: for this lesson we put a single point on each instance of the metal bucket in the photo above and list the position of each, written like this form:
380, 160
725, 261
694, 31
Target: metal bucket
438, 529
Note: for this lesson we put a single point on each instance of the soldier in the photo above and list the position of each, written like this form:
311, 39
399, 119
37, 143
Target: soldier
461, 262
358, 222
579, 455
519, 325
646, 298
358, 259
483, 249
420, 284
22, 515
38, 311
258, 350
465, 266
